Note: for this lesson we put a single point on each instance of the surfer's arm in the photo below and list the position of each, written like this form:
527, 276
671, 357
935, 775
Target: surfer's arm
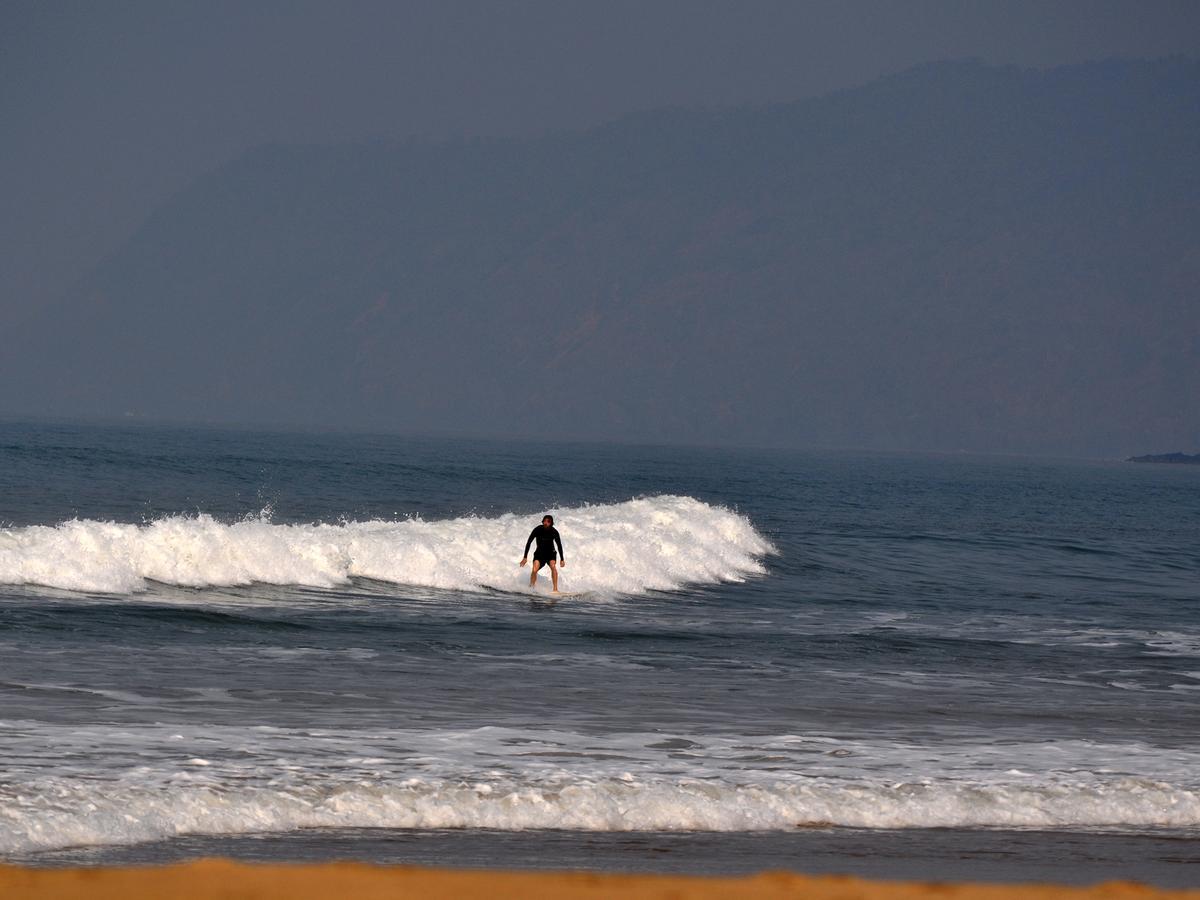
562, 556
525, 553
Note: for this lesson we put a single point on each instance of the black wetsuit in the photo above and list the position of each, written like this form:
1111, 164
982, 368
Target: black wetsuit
546, 538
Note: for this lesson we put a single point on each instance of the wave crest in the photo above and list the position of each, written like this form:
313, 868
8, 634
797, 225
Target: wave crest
653, 543
71, 814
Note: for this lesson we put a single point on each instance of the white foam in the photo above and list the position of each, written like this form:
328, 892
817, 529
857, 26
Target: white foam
654, 543
64, 813
128, 784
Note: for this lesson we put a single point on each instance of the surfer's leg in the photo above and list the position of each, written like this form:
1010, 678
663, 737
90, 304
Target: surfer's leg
554, 574
533, 572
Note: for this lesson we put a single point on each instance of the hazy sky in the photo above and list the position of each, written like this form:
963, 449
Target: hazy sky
107, 108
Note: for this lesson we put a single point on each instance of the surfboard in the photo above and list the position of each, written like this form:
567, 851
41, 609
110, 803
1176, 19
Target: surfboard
538, 595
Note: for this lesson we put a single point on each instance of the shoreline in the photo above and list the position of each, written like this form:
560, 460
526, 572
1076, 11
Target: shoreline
219, 878
1164, 860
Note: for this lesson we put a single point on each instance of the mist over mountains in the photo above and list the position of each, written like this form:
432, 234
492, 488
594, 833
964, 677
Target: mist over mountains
957, 257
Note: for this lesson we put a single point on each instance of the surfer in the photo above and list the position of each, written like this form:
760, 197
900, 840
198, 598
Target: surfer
547, 538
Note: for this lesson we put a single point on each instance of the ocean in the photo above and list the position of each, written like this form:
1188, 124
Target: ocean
299, 646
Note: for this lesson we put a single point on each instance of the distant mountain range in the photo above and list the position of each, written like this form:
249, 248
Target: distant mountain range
1186, 459
957, 257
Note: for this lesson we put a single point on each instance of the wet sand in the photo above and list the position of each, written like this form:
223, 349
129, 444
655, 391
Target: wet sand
1162, 859
212, 879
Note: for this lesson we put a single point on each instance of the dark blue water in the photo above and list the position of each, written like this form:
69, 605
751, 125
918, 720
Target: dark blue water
209, 632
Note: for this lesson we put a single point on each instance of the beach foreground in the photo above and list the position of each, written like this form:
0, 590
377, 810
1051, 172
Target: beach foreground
228, 880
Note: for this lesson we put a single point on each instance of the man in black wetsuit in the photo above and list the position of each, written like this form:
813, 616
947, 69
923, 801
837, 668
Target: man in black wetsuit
547, 537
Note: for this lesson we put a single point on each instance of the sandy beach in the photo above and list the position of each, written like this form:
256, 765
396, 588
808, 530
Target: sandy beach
236, 881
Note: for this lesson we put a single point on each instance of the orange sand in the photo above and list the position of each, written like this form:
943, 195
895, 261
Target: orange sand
213, 879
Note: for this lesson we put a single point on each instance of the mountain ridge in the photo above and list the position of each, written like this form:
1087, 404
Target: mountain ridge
956, 257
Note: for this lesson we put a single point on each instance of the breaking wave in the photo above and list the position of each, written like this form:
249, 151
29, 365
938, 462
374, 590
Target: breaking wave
654, 543
143, 783
85, 813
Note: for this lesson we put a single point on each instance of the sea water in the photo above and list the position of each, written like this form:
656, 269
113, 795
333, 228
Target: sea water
210, 635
